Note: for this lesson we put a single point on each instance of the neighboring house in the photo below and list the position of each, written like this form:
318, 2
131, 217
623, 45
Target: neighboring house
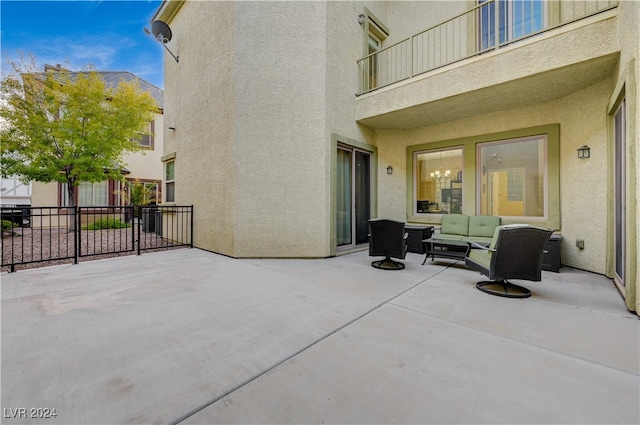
15, 198
299, 121
145, 166
14, 193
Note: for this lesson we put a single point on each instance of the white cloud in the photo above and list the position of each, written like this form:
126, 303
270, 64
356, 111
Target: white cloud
100, 51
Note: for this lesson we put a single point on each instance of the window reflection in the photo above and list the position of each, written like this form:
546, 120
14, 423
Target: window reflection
438, 181
512, 177
516, 18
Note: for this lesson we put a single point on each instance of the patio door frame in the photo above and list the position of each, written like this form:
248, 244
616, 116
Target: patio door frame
621, 172
619, 193
353, 146
499, 19
358, 194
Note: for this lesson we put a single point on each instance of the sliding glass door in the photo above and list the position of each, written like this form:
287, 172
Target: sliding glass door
353, 205
620, 193
514, 19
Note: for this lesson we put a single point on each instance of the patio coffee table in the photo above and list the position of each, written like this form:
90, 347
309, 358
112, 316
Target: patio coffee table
445, 248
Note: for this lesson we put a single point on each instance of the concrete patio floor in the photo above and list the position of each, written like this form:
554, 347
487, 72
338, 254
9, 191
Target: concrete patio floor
187, 336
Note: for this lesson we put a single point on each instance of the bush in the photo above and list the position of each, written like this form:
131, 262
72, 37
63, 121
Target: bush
8, 225
107, 223
7, 228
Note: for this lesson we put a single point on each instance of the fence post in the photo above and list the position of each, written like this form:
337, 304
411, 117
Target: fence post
191, 209
13, 265
76, 237
139, 226
131, 209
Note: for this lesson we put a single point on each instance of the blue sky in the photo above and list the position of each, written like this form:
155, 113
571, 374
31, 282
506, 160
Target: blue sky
107, 34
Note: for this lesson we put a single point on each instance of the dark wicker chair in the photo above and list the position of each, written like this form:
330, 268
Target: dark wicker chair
387, 238
515, 252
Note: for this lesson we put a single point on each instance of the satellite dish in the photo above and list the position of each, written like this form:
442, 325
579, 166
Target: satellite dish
161, 31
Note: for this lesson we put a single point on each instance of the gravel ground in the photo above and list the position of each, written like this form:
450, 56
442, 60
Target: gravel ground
50, 246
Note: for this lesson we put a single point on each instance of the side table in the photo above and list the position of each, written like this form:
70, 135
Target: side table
551, 259
416, 235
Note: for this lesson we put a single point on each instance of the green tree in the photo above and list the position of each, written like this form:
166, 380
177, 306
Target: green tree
68, 127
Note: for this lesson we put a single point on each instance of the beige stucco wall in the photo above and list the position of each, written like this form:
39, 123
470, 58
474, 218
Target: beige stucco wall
146, 164
255, 113
406, 18
280, 157
582, 186
200, 102
251, 113
44, 194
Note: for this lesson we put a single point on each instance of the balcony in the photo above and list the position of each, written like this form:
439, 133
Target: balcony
486, 51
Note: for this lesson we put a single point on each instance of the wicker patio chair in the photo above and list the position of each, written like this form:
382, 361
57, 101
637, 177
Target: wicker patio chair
515, 252
387, 238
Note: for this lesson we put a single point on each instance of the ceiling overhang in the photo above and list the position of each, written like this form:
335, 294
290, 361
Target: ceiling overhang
542, 70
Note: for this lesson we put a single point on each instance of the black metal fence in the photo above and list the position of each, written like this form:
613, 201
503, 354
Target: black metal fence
55, 234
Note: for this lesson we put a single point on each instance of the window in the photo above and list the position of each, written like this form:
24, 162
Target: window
524, 165
512, 177
150, 193
375, 43
438, 181
516, 18
170, 183
141, 192
375, 34
145, 139
93, 194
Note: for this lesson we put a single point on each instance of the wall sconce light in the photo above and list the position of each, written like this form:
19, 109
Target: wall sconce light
584, 152
389, 169
361, 19
172, 127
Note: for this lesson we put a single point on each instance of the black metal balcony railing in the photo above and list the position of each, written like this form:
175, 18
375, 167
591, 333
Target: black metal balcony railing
57, 234
490, 25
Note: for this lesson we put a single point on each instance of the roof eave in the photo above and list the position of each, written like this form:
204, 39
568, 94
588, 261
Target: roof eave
168, 10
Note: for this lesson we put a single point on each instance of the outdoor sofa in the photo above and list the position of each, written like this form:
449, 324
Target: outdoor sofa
460, 227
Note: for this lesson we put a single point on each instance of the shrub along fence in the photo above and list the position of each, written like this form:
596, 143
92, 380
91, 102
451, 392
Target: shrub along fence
57, 234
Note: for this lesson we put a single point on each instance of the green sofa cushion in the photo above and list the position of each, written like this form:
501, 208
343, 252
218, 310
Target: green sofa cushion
483, 226
455, 224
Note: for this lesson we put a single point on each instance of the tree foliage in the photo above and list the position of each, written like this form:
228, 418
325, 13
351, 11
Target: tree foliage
68, 127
